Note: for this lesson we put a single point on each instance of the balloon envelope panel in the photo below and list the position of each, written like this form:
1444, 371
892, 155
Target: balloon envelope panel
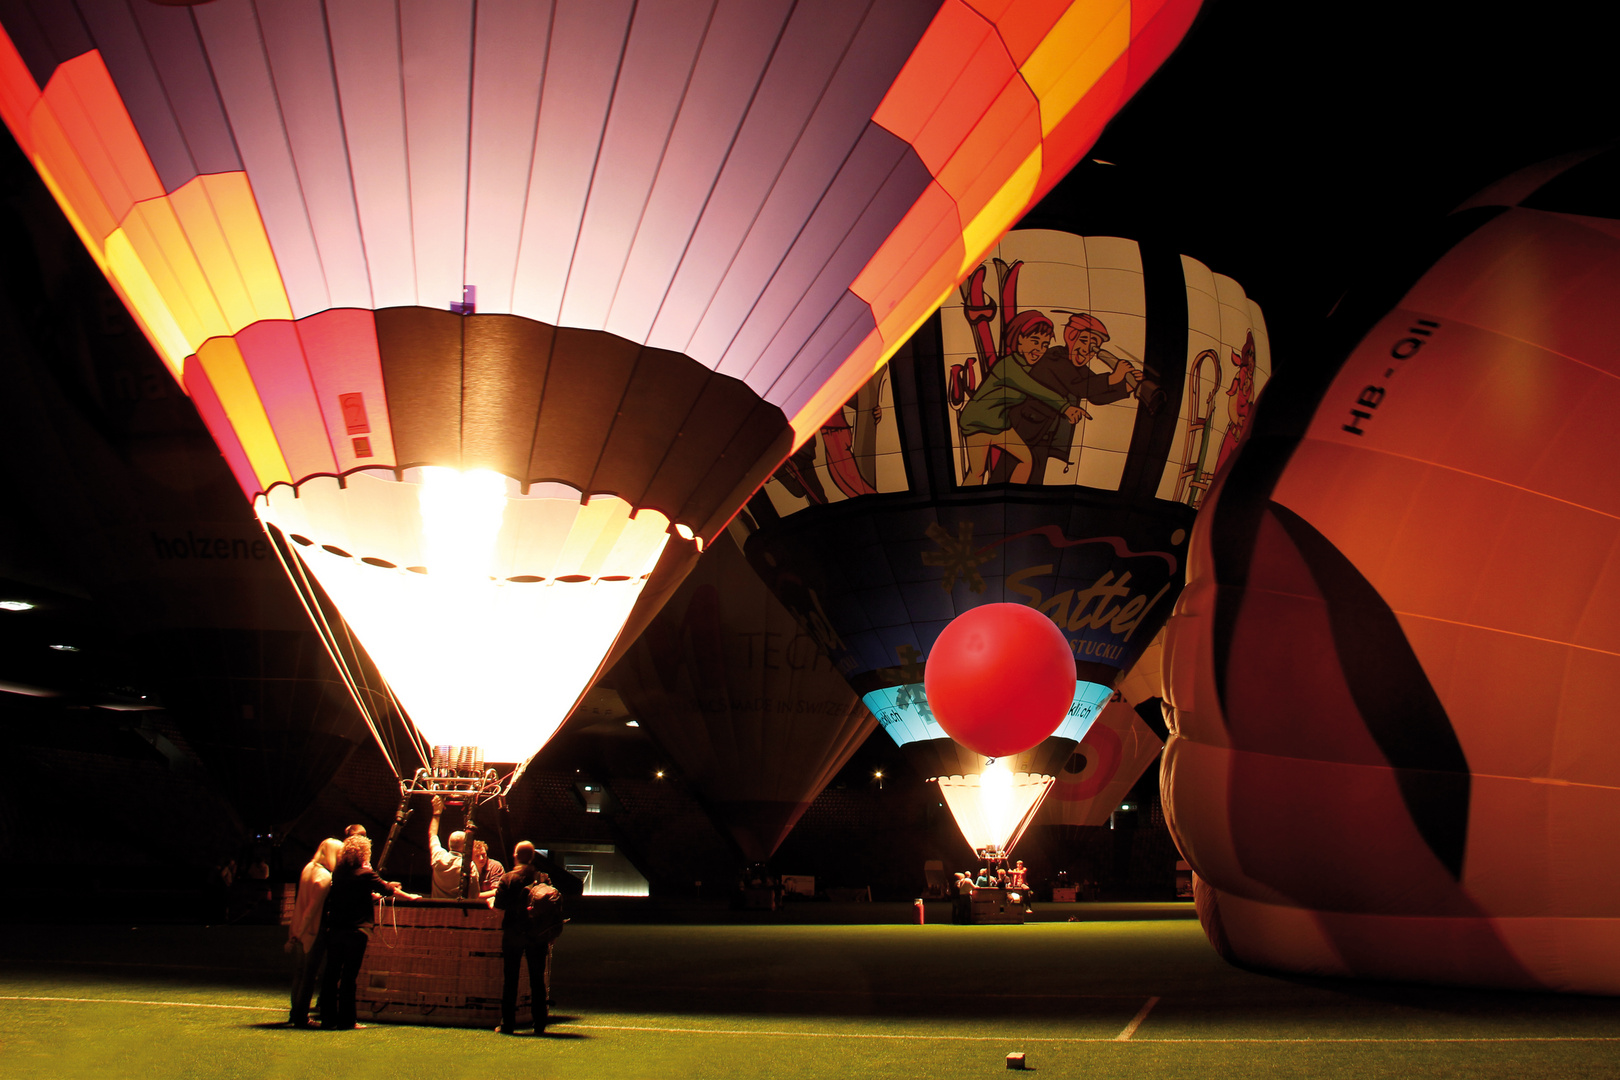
1417, 552
747, 704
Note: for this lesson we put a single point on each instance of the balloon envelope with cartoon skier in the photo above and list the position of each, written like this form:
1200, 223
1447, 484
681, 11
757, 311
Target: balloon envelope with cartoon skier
1392, 672
1044, 444
490, 314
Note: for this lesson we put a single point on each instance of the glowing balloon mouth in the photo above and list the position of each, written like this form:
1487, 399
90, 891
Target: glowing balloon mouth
995, 807
487, 610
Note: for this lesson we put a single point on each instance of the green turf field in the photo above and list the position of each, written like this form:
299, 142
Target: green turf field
1128, 999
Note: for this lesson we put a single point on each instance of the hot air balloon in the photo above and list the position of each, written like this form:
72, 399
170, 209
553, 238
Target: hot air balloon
490, 307
746, 704
1392, 671
1005, 468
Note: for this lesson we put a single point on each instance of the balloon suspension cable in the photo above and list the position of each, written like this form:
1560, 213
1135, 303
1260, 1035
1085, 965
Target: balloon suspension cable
380, 729
1028, 818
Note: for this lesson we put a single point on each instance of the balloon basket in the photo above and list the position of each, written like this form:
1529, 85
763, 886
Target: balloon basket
996, 907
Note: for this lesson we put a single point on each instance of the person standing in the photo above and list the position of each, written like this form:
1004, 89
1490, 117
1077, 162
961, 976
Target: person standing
446, 864
347, 926
490, 871
304, 931
526, 935
962, 903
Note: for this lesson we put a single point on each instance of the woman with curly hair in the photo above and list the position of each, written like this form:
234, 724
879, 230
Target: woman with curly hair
347, 927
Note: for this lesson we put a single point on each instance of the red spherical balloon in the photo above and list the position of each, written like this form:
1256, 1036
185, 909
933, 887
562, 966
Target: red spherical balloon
1000, 678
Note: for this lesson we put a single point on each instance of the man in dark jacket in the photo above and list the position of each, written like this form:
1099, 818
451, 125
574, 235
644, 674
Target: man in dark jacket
525, 936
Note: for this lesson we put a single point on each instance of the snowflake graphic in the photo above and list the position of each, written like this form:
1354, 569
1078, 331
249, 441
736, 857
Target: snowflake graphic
958, 556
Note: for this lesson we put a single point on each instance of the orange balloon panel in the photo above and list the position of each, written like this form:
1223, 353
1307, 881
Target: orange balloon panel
1394, 667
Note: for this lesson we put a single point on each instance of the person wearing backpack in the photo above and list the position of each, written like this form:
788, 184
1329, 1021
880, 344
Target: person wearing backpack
531, 920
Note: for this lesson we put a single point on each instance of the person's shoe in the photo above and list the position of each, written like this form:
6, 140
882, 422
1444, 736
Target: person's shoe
502, 1029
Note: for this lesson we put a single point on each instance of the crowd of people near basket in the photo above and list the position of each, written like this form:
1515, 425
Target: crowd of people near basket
1002, 877
335, 913
1014, 880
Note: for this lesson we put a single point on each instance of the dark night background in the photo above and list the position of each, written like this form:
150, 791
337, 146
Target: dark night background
1292, 147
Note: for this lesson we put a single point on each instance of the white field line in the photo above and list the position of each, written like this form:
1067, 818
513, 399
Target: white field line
1136, 1021
765, 1032
1011, 1039
137, 1001
806, 991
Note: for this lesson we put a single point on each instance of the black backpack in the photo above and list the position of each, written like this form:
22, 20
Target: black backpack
545, 913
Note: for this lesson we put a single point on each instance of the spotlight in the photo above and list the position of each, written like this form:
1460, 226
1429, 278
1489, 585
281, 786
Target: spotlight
15, 605
65, 648
632, 723
659, 775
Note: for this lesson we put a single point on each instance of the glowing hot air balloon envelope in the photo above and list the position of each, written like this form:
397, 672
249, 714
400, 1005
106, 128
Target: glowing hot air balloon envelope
639, 250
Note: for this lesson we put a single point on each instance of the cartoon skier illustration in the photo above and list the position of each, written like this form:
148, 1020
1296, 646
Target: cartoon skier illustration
1067, 368
986, 420
1036, 430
